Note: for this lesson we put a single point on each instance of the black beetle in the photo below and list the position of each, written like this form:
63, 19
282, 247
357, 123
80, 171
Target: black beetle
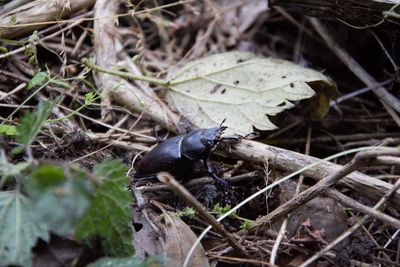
178, 155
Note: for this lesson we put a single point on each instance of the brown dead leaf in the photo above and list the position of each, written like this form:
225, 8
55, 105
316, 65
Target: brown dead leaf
164, 235
323, 213
179, 238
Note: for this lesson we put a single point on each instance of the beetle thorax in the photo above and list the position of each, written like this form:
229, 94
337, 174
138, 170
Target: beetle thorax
199, 144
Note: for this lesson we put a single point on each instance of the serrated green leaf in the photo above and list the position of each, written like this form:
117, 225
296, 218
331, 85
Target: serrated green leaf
110, 169
32, 122
38, 79
58, 202
8, 129
19, 231
109, 214
125, 262
240, 87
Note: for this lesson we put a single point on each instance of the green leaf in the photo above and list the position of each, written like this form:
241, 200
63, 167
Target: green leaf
58, 202
188, 212
89, 97
45, 176
17, 150
38, 79
125, 262
109, 215
221, 210
8, 169
240, 87
3, 49
19, 230
246, 225
8, 129
32, 122
60, 83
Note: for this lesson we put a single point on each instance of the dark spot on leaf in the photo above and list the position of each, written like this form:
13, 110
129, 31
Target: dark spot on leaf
292, 85
236, 82
240, 60
281, 104
137, 226
215, 89
223, 91
187, 90
284, 76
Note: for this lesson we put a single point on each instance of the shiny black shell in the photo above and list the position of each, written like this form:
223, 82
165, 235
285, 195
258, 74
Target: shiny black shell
178, 155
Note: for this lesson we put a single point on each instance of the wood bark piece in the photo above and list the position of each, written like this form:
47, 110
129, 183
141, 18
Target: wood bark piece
37, 14
365, 12
346, 201
292, 161
12, 5
107, 46
361, 159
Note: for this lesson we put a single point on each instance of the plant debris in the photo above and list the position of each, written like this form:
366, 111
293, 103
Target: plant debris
86, 90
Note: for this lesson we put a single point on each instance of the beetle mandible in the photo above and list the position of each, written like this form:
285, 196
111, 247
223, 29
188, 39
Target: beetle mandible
178, 155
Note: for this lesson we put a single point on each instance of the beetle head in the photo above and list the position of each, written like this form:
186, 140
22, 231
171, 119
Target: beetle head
211, 137
200, 143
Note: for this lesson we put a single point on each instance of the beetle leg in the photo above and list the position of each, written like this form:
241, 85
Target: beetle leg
211, 173
159, 139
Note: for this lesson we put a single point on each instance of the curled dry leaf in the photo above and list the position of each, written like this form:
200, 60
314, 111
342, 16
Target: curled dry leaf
242, 88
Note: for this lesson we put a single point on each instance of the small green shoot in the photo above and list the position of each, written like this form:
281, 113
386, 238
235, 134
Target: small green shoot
246, 225
188, 212
30, 125
89, 97
30, 48
348, 209
13, 20
7, 129
219, 211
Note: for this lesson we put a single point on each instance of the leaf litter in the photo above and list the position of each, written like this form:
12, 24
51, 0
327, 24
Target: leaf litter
155, 41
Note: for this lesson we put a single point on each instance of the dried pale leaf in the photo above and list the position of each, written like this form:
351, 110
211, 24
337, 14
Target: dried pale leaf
241, 87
